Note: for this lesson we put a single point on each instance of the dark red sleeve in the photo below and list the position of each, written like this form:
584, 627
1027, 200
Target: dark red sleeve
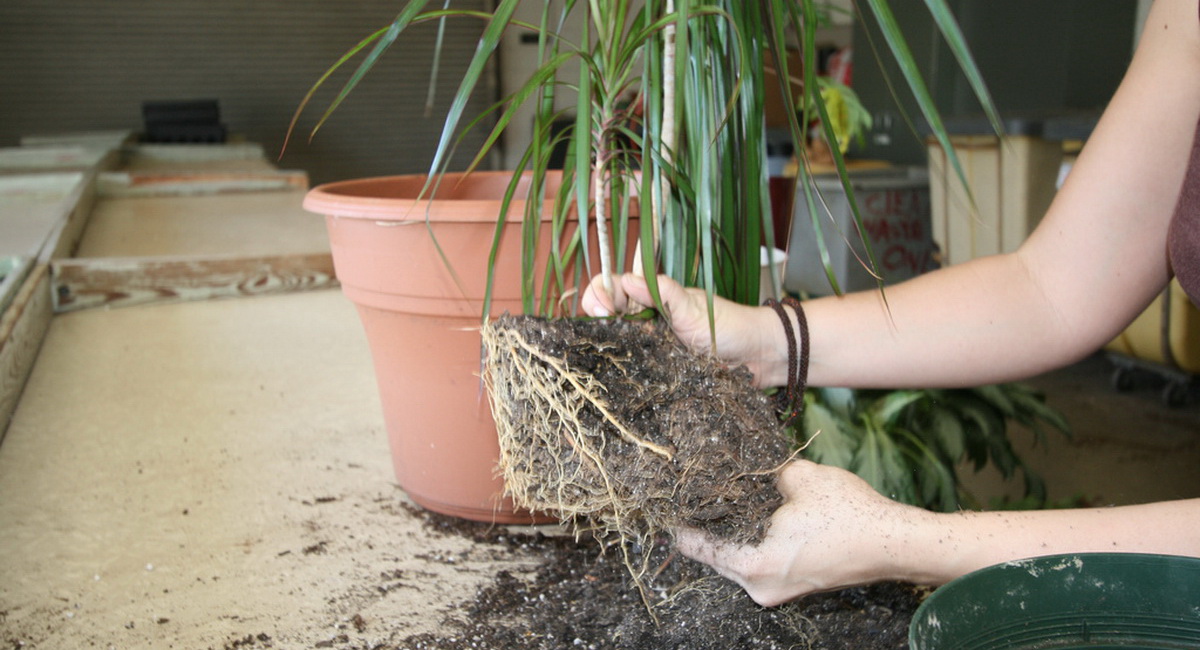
1183, 238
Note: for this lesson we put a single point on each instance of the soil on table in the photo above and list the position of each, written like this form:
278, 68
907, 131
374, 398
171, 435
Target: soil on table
619, 425
583, 597
622, 430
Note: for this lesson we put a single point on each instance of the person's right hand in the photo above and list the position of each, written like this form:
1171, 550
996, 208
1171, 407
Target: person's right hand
744, 335
833, 531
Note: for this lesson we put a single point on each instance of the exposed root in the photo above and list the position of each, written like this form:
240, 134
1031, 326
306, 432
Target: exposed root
583, 385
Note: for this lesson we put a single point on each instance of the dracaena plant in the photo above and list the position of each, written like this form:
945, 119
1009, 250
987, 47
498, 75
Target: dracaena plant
668, 121
667, 124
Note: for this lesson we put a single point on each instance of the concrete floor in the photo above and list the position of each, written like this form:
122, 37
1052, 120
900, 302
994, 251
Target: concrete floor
215, 475
1127, 447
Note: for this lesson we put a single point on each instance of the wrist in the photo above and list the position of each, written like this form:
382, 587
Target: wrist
942, 546
772, 354
921, 547
785, 345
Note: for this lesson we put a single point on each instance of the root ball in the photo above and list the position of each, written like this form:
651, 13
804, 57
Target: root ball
616, 425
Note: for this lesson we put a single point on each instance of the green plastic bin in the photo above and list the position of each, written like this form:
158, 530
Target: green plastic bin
1091, 600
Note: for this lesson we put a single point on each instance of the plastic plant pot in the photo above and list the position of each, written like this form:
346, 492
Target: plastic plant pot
1090, 600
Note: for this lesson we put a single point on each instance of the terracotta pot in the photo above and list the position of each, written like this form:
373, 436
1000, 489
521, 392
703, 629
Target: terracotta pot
423, 326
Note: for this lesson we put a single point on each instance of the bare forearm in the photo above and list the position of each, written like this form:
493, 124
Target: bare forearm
976, 323
942, 546
1094, 262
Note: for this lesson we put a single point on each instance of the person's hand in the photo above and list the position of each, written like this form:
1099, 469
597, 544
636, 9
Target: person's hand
745, 335
833, 531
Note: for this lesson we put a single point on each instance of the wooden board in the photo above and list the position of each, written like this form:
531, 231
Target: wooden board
66, 234
23, 326
181, 183
171, 248
35, 207
244, 224
13, 271
113, 282
25, 160
104, 140
199, 158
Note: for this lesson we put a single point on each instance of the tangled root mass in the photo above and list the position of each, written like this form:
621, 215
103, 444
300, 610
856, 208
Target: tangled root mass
616, 425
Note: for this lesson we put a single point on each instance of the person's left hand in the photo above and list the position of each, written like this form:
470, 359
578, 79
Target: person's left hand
832, 531
744, 335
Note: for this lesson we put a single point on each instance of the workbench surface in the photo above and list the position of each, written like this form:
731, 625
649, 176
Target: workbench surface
188, 475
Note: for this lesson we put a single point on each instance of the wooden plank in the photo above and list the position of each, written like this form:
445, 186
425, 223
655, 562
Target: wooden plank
22, 329
80, 283
64, 238
105, 140
32, 207
13, 271
236, 224
234, 156
123, 184
26, 160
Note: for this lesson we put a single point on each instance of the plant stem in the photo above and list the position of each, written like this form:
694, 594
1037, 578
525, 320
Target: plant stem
600, 187
666, 143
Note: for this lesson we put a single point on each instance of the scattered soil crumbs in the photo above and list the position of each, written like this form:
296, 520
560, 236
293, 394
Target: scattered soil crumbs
619, 425
583, 597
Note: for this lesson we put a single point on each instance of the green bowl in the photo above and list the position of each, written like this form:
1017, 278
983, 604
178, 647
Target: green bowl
1089, 600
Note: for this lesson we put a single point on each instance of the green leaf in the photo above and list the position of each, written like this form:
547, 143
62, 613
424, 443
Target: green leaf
536, 84
892, 406
1035, 487
321, 82
488, 43
1002, 455
902, 54
948, 432
843, 401
966, 63
1032, 410
995, 395
402, 21
831, 439
938, 485
881, 464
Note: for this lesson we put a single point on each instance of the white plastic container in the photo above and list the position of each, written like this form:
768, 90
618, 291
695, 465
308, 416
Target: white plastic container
894, 204
1012, 180
774, 263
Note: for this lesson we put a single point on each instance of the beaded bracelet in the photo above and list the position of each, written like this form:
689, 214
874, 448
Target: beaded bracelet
793, 397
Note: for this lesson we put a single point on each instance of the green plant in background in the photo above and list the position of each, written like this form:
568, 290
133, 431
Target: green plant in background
850, 119
667, 124
908, 443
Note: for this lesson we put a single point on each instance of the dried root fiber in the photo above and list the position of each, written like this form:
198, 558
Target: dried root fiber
615, 425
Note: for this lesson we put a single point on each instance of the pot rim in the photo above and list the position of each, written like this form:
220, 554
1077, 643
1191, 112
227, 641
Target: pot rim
394, 198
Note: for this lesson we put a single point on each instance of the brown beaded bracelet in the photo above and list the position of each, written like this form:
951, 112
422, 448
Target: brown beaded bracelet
793, 397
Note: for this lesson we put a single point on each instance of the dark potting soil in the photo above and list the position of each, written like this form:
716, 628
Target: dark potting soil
581, 596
